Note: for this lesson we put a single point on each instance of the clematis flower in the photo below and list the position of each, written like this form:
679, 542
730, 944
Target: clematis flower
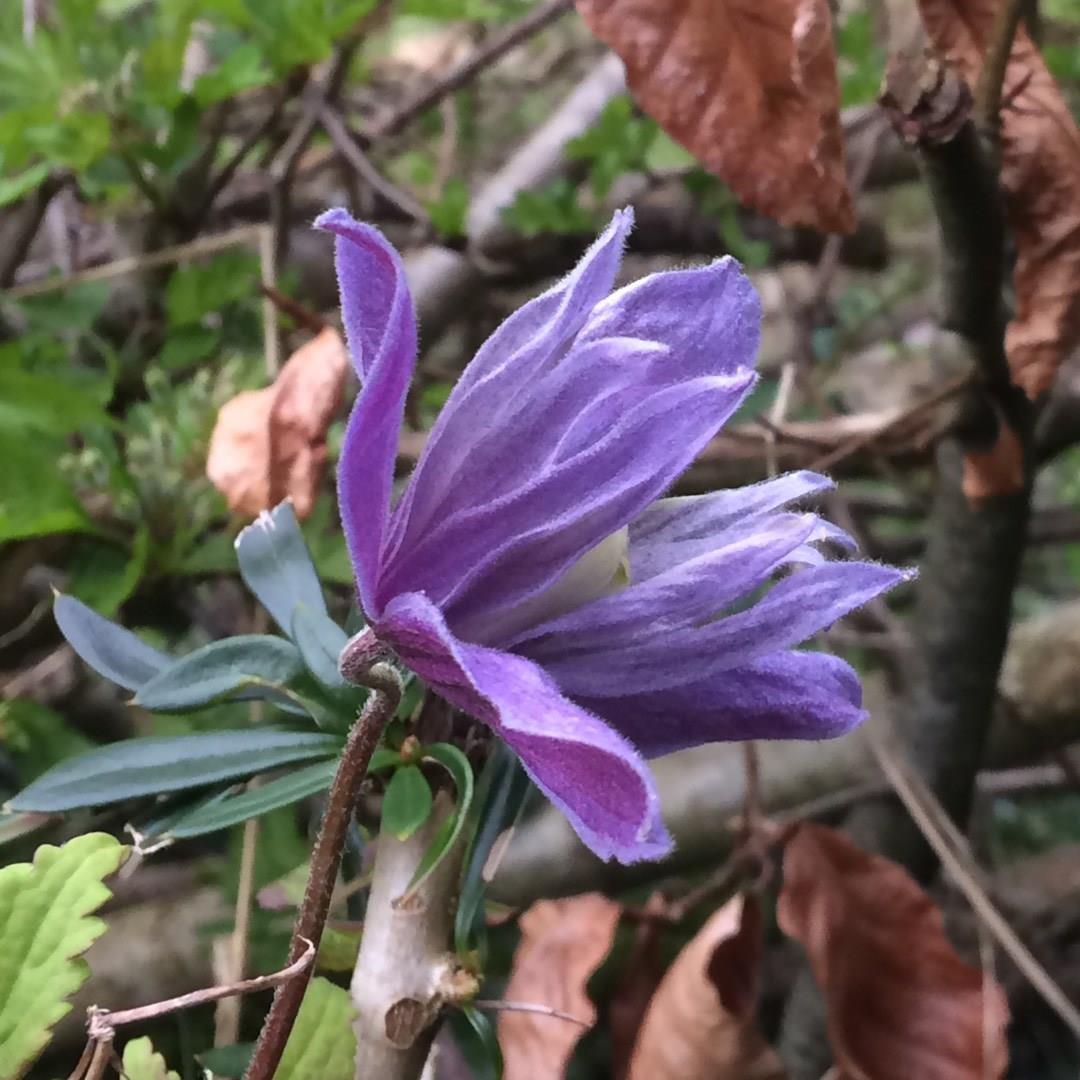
532, 574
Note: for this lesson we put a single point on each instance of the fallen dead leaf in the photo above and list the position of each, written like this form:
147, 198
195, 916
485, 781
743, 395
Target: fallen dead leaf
1040, 175
747, 86
270, 444
562, 943
901, 1003
700, 1023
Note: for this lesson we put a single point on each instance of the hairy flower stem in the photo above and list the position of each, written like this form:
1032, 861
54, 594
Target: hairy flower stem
406, 973
325, 863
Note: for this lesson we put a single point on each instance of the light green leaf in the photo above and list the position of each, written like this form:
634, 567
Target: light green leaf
338, 949
45, 924
216, 670
457, 764
15, 187
141, 1062
322, 1045
407, 802
156, 764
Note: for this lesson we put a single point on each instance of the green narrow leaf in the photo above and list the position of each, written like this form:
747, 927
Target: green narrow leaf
46, 922
457, 764
142, 1062
322, 1045
485, 1054
276, 565
407, 802
110, 650
156, 764
501, 794
256, 801
218, 669
320, 641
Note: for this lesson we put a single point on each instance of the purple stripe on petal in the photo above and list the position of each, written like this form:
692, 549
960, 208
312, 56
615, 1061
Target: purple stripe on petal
381, 330
590, 772
684, 595
786, 695
503, 370
675, 529
503, 551
793, 610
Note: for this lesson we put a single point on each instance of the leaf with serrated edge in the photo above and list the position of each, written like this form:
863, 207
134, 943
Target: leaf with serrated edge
322, 1045
45, 924
276, 565
216, 670
142, 1062
149, 766
110, 650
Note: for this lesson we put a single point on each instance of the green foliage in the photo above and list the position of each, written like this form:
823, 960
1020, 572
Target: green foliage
448, 212
45, 924
322, 1045
619, 142
861, 62
36, 737
156, 764
142, 1062
406, 803
552, 209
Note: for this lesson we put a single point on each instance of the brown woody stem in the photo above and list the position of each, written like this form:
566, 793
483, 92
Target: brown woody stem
325, 863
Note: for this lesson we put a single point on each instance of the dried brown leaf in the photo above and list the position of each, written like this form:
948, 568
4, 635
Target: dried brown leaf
998, 470
747, 86
562, 943
270, 444
1040, 174
901, 1003
700, 1023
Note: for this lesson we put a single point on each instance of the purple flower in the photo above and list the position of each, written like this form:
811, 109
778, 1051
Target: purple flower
528, 573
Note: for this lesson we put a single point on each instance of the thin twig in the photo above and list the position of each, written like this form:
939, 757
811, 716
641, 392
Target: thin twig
992, 76
204, 245
493, 49
325, 863
868, 438
101, 1024
951, 848
528, 1007
347, 146
301, 315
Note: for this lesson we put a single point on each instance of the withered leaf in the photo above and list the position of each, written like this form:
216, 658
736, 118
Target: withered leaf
562, 943
901, 1003
270, 444
748, 87
700, 1023
1040, 175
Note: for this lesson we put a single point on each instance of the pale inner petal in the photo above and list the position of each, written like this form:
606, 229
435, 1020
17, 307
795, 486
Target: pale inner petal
601, 571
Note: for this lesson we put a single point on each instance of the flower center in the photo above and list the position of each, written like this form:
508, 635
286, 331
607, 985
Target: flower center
601, 571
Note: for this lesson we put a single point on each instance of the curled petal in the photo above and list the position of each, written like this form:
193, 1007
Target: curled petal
590, 772
786, 695
381, 328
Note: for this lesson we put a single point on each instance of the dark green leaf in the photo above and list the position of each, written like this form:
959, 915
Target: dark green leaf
500, 797
275, 563
227, 1061
105, 574
149, 766
109, 649
407, 802
218, 669
320, 641
256, 801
